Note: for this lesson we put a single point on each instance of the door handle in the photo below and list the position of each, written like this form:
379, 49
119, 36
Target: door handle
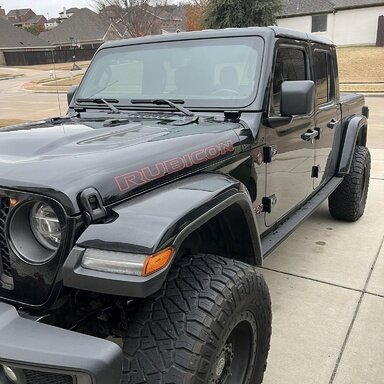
332, 123
310, 135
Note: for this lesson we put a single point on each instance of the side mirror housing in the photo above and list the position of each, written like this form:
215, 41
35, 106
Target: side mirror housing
297, 97
71, 91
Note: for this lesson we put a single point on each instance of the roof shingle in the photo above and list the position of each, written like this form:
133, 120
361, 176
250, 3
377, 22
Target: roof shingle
84, 25
305, 7
18, 12
13, 37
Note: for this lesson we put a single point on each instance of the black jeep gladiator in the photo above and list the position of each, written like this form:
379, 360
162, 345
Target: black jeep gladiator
130, 228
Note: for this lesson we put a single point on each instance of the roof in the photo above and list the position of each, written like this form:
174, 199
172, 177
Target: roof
306, 7
18, 12
52, 20
70, 10
85, 25
169, 12
35, 19
343, 4
265, 32
12, 37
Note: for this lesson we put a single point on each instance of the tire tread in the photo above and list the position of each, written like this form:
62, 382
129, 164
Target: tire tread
173, 336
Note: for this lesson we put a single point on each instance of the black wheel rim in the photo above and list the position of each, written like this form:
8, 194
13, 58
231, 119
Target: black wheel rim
234, 364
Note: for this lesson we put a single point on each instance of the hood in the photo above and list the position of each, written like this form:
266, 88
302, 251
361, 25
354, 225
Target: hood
61, 160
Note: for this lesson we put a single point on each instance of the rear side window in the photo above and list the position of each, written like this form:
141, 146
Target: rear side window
325, 90
290, 66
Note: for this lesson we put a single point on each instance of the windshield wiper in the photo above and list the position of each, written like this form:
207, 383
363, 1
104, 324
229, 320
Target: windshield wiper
107, 102
171, 103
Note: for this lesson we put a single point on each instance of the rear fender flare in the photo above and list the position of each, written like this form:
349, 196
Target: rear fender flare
355, 133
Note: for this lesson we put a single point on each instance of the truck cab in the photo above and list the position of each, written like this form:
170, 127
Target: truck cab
131, 227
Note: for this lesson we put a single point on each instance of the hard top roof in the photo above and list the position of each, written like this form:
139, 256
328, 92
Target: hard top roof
227, 32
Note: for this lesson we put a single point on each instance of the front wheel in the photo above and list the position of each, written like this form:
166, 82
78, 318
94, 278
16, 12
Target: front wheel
210, 323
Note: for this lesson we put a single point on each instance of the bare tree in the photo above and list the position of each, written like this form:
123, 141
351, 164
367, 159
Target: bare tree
133, 17
194, 14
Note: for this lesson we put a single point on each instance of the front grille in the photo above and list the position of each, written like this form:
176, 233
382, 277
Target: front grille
35, 377
4, 250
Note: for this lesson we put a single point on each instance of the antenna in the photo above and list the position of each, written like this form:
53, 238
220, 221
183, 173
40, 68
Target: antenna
57, 86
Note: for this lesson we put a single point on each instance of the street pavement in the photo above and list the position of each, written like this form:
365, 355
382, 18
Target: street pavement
327, 288
326, 280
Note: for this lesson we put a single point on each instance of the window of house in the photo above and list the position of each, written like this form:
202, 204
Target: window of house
319, 23
325, 89
290, 66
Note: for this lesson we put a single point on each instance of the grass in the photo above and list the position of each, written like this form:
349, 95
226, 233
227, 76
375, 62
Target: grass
7, 122
59, 66
60, 85
6, 76
361, 69
66, 82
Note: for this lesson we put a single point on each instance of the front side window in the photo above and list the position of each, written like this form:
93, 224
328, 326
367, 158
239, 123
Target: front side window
206, 72
319, 23
290, 65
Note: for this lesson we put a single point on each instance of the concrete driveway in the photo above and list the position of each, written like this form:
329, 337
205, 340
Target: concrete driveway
327, 288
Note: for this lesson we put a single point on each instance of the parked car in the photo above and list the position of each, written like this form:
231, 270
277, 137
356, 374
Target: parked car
131, 228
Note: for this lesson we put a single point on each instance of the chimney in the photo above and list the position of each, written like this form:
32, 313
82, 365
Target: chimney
2, 13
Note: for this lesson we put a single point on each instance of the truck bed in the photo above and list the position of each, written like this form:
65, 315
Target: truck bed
351, 104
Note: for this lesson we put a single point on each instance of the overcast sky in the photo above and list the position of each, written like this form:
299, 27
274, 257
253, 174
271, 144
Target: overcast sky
45, 7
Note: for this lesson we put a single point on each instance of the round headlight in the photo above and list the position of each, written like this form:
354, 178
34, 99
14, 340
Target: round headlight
35, 232
45, 226
10, 374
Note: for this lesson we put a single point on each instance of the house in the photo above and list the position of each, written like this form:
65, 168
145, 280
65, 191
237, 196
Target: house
51, 23
83, 28
170, 19
345, 22
68, 12
14, 41
25, 18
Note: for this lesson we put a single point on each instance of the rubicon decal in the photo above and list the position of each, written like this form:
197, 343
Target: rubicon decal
155, 171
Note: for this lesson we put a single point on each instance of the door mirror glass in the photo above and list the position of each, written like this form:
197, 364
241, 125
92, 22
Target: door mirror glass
297, 97
70, 93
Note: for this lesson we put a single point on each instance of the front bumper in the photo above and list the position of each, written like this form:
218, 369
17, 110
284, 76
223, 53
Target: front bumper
42, 349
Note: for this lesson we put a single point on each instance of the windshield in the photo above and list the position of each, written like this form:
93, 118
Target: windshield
204, 73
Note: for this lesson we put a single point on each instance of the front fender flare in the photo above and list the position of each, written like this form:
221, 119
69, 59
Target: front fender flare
153, 221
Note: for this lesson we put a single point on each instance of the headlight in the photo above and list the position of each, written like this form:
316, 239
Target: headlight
45, 226
10, 374
35, 232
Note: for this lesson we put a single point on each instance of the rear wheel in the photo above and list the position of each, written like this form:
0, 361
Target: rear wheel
210, 323
347, 202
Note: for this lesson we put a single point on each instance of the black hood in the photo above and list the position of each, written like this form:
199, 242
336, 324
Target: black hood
61, 160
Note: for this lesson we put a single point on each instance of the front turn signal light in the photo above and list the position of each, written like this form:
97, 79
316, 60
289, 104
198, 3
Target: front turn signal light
126, 263
157, 261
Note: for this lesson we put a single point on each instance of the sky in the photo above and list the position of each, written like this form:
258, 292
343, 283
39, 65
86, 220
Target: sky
49, 8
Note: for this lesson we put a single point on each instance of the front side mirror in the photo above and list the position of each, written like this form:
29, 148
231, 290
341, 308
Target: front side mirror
71, 91
297, 97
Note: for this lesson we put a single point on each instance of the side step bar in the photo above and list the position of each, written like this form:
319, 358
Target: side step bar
274, 238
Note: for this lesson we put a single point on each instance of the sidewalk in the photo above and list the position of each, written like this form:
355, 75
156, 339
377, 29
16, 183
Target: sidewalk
327, 288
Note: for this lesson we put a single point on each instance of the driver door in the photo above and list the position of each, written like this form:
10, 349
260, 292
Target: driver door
288, 175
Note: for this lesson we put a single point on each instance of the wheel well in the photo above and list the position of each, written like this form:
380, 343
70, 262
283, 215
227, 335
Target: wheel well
226, 234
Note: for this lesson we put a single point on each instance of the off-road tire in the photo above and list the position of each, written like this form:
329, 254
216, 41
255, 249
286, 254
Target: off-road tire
347, 202
179, 334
